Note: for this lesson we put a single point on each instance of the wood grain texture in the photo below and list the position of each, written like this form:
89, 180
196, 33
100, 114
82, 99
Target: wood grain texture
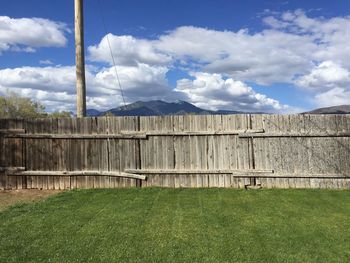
284, 151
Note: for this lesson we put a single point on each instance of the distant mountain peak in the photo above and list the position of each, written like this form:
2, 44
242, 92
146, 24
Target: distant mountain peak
181, 102
157, 108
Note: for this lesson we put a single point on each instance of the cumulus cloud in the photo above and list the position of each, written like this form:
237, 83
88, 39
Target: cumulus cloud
294, 48
325, 76
140, 82
46, 62
333, 97
266, 57
331, 36
39, 78
328, 80
27, 34
55, 86
128, 51
289, 47
226, 94
329, 83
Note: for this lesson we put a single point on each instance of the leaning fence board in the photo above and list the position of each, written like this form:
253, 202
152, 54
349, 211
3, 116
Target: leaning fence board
75, 136
300, 176
76, 173
242, 173
191, 133
286, 134
163, 171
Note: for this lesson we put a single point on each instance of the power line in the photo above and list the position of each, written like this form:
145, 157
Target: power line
111, 52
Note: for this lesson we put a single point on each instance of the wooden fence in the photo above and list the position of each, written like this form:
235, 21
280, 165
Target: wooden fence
284, 151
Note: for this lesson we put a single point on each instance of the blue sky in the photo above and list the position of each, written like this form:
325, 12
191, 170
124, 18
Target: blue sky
273, 56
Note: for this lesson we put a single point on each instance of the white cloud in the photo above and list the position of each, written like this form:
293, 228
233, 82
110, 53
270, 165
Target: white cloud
265, 57
331, 36
327, 75
333, 97
54, 79
27, 34
22, 49
45, 62
289, 47
127, 50
329, 83
140, 82
215, 92
309, 52
55, 86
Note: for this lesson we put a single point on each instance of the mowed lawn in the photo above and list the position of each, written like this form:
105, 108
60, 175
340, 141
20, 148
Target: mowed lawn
179, 225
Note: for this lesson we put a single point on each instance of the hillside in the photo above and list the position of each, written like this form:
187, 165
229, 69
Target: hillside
157, 108
342, 109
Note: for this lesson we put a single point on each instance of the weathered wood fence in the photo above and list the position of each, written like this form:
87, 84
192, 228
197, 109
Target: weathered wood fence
284, 151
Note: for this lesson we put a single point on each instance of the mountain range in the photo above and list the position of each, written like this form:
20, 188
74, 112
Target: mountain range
159, 107
342, 109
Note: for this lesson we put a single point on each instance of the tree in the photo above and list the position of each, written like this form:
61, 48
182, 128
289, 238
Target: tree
14, 106
108, 114
60, 114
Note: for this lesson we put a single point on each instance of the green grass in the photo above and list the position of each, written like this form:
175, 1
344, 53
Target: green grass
179, 225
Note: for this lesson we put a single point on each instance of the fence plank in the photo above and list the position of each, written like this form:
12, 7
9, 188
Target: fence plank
305, 151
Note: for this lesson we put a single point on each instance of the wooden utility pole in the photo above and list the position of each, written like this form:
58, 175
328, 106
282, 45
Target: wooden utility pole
80, 58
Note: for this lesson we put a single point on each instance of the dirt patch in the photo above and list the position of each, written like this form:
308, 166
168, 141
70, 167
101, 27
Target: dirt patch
8, 198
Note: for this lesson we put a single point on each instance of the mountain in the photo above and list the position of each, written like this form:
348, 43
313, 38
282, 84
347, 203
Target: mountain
93, 112
157, 108
342, 109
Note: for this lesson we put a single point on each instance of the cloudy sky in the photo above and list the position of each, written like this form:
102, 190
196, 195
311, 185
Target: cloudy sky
271, 56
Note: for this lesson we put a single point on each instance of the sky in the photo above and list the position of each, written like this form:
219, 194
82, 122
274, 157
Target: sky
268, 56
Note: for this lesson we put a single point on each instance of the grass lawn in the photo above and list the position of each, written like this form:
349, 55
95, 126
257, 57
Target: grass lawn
179, 225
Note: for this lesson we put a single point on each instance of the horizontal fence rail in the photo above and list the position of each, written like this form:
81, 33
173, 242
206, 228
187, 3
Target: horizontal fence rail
240, 151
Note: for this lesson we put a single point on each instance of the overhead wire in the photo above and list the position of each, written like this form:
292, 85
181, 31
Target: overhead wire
111, 52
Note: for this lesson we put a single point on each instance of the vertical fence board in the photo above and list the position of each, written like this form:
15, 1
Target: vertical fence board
289, 155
